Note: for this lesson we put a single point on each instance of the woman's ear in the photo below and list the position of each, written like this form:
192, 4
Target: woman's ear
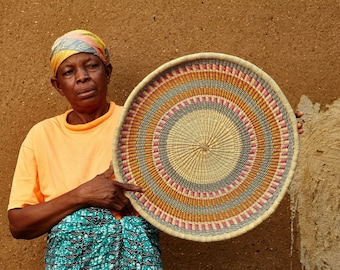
56, 85
108, 71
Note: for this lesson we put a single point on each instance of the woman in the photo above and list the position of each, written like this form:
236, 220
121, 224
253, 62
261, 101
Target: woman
63, 183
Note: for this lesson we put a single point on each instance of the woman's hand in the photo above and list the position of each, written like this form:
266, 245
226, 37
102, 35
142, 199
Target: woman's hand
298, 114
104, 192
35, 220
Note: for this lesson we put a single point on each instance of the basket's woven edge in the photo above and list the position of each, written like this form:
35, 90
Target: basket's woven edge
191, 57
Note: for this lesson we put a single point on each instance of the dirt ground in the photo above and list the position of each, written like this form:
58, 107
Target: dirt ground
295, 42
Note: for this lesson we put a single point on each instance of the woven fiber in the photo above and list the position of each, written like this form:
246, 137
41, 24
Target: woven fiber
213, 142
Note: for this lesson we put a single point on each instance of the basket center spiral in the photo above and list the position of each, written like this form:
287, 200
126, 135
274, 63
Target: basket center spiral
203, 146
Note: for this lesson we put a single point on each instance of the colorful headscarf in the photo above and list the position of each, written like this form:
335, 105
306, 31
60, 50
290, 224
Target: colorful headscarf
77, 41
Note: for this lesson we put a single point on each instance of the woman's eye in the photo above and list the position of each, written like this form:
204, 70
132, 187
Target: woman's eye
68, 72
92, 66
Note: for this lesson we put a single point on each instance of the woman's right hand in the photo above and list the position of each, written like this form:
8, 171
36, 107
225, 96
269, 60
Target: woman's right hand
34, 220
104, 192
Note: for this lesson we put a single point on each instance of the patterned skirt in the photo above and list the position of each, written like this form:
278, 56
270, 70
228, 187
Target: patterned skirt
92, 238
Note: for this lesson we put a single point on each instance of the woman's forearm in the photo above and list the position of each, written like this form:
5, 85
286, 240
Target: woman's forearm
35, 220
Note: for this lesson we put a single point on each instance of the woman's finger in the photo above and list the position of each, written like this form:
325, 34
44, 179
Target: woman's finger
129, 187
298, 114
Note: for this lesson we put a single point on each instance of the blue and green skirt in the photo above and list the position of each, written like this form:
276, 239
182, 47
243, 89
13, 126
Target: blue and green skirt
92, 238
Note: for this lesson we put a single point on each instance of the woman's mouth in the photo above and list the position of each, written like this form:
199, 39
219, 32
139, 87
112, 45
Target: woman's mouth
86, 93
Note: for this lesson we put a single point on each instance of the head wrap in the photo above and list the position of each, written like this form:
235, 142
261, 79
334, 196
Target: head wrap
77, 41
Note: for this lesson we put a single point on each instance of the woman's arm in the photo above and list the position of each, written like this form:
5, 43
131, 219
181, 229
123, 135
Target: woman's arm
35, 220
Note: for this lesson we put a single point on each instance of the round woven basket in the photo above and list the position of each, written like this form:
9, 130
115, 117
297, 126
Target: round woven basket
213, 142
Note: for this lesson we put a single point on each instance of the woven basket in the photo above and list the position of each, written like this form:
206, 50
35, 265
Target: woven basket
213, 142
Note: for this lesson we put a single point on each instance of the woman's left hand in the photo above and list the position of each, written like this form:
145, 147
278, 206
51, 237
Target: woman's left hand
298, 114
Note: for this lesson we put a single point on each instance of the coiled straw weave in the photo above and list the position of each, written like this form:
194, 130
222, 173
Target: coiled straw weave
213, 142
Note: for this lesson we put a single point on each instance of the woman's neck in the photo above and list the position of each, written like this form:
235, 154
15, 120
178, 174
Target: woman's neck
78, 118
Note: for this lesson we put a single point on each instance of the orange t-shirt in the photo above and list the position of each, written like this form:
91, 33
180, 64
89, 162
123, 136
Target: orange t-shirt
56, 157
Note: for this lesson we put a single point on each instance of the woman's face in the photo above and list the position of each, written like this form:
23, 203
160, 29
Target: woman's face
82, 79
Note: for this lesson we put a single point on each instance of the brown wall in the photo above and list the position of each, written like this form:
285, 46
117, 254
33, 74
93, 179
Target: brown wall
295, 42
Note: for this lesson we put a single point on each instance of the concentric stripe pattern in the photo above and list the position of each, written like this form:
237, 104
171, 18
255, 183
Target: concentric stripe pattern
212, 141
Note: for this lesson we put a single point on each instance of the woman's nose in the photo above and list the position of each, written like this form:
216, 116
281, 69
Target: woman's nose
82, 75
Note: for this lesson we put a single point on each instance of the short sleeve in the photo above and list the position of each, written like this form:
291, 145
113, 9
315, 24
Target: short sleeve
25, 188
